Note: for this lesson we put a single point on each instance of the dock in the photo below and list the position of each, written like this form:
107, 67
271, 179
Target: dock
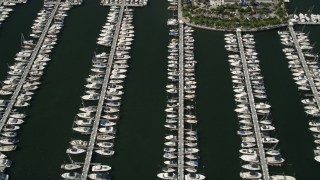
93, 136
263, 162
181, 105
28, 67
305, 66
128, 3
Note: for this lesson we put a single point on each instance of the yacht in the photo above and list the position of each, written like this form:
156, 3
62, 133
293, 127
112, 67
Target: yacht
71, 175
75, 151
169, 176
99, 176
251, 167
250, 175
98, 168
70, 166
105, 152
194, 176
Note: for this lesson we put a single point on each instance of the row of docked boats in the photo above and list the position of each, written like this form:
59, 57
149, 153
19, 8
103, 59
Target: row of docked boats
111, 72
254, 113
305, 18
304, 80
181, 128
5, 9
127, 2
25, 74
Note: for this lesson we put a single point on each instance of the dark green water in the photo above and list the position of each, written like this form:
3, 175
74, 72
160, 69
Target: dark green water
45, 135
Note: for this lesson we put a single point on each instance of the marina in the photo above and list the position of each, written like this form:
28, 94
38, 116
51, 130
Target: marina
30, 62
113, 70
304, 67
5, 8
138, 121
253, 111
181, 158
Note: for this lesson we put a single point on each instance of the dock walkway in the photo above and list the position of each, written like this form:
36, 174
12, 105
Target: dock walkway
181, 105
28, 67
305, 66
93, 136
264, 165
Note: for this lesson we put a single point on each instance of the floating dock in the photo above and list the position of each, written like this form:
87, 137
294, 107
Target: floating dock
264, 165
305, 66
93, 136
181, 105
28, 67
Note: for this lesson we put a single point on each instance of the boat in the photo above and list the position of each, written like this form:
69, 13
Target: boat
105, 144
70, 166
194, 176
167, 175
105, 152
98, 168
250, 175
75, 151
79, 143
99, 176
252, 167
71, 175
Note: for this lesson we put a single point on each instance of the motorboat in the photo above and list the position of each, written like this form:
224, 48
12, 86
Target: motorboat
75, 151
250, 175
100, 176
105, 152
194, 176
98, 168
70, 166
79, 143
105, 144
251, 167
71, 175
167, 175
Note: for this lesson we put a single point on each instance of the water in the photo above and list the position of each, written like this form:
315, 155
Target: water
45, 135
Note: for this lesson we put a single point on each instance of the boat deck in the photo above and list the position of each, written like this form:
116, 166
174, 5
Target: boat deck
94, 133
264, 165
28, 67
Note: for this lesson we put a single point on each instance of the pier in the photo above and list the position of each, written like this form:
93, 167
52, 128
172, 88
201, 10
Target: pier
129, 3
93, 136
28, 67
181, 105
263, 162
305, 66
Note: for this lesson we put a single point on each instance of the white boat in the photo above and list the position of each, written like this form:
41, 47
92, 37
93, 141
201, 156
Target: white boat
169, 176
98, 168
275, 160
105, 137
71, 175
5, 163
79, 143
75, 151
250, 158
99, 176
70, 166
250, 175
82, 129
8, 141
105, 144
252, 167
105, 152
194, 176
